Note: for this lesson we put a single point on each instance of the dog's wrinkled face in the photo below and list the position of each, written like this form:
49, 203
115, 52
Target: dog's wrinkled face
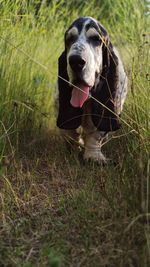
83, 41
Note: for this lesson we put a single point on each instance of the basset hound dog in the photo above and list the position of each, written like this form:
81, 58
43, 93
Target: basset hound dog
92, 86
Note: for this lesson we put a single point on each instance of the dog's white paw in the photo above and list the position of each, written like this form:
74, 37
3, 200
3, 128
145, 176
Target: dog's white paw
95, 155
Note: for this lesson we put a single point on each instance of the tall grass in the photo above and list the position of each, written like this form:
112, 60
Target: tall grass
31, 40
30, 46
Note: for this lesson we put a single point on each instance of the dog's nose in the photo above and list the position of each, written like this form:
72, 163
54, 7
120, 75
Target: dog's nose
76, 62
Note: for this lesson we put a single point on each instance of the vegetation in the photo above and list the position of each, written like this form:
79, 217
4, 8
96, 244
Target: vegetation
57, 210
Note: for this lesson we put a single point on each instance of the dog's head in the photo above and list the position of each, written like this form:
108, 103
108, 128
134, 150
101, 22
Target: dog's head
84, 44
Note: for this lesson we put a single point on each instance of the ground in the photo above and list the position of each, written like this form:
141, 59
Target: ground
60, 211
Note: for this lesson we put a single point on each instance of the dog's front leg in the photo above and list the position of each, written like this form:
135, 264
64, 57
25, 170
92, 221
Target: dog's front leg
93, 144
72, 138
92, 137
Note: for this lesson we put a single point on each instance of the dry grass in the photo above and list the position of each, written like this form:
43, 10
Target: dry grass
59, 211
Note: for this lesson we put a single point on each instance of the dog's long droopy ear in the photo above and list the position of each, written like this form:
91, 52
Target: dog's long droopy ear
68, 117
104, 114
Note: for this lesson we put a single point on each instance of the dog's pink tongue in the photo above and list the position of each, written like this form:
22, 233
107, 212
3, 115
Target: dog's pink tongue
79, 97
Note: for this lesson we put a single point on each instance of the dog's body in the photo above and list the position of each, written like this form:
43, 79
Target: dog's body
90, 66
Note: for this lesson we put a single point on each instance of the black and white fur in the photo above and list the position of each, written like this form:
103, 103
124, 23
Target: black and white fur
90, 62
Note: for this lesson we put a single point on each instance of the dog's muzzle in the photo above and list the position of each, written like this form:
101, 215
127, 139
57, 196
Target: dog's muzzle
76, 63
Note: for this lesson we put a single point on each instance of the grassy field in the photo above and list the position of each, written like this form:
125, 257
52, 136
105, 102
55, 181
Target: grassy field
55, 209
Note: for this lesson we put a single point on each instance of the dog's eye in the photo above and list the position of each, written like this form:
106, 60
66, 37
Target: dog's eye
95, 39
71, 39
